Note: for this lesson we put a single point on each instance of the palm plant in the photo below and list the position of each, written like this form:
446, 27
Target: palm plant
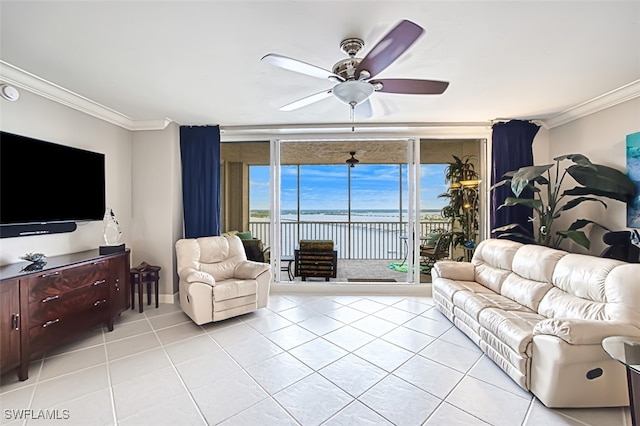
595, 180
462, 209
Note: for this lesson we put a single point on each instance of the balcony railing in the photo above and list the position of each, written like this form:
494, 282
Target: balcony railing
354, 240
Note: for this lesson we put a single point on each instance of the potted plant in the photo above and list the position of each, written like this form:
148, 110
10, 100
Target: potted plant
594, 180
462, 209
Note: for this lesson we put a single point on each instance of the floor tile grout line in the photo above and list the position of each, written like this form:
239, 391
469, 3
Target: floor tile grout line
177, 373
109, 381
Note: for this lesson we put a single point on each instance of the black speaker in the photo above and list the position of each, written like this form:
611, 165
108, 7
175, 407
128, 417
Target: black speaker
9, 231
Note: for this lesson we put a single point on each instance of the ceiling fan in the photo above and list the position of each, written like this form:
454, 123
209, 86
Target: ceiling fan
353, 160
355, 76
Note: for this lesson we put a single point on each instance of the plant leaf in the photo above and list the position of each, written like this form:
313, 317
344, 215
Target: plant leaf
521, 178
500, 183
571, 204
605, 179
578, 237
581, 190
581, 223
529, 202
579, 159
518, 235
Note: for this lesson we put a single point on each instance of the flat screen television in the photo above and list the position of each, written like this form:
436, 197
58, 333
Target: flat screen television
47, 183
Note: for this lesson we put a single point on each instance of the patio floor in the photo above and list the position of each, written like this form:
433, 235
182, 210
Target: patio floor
354, 271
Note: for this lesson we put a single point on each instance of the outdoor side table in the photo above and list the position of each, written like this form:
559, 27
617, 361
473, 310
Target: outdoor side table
141, 275
286, 263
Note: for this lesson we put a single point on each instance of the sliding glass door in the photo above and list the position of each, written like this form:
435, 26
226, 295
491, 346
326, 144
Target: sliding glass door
365, 206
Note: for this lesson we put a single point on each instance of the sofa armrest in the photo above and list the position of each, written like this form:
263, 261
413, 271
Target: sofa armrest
458, 271
191, 275
249, 270
584, 332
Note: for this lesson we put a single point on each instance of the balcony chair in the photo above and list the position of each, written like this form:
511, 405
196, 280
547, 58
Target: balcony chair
253, 247
316, 258
429, 255
217, 281
621, 246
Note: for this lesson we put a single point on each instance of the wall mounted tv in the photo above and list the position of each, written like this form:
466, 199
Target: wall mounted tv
47, 187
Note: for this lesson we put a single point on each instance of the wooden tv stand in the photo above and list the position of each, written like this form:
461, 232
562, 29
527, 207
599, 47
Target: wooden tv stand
71, 294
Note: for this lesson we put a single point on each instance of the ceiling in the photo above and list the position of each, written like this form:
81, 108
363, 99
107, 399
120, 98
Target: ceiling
199, 62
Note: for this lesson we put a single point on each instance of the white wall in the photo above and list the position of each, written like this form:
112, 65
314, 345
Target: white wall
38, 117
157, 203
602, 138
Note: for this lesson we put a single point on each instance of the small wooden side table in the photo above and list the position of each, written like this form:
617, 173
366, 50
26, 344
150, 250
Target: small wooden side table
141, 275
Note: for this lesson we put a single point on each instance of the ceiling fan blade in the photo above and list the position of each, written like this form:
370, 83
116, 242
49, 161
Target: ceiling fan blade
387, 50
411, 86
307, 100
300, 67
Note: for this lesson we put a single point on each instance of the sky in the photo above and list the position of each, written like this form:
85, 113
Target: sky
325, 187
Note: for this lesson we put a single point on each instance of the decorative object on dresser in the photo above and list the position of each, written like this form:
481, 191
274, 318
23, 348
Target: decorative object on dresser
112, 233
37, 261
141, 275
71, 294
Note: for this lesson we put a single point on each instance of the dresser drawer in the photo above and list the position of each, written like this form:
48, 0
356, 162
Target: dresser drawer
55, 330
53, 283
65, 304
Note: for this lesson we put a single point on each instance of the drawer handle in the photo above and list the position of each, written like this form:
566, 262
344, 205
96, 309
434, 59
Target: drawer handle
50, 274
99, 302
15, 321
100, 282
97, 262
50, 322
50, 298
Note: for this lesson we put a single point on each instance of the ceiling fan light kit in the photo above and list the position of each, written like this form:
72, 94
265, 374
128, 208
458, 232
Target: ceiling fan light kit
353, 92
353, 75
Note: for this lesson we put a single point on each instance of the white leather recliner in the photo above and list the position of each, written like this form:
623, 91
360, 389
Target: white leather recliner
217, 281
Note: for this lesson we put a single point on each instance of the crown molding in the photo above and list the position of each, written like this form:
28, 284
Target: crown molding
20, 78
612, 98
362, 130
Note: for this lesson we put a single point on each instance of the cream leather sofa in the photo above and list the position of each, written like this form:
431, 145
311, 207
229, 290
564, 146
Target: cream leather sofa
541, 315
217, 281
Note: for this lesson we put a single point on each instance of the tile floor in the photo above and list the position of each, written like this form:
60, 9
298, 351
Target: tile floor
308, 359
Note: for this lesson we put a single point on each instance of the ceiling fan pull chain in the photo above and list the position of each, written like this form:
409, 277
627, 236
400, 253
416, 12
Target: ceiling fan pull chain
352, 113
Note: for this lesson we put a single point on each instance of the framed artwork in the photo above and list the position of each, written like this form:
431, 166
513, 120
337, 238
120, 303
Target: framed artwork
633, 171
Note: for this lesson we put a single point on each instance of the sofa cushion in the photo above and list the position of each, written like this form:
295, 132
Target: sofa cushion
474, 303
448, 287
246, 235
579, 288
513, 328
230, 289
525, 291
621, 292
584, 276
493, 262
559, 304
536, 263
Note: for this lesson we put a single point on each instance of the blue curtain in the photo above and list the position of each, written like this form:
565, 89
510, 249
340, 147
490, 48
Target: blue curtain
512, 148
200, 155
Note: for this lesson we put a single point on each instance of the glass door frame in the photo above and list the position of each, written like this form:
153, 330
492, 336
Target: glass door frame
413, 202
